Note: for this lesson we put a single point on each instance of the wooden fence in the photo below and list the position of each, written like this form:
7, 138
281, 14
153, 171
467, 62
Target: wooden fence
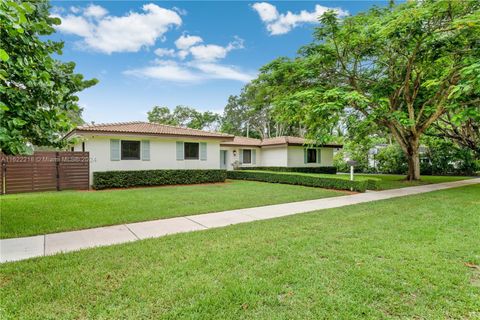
44, 171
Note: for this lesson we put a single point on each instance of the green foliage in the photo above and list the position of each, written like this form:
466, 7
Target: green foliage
357, 148
236, 118
398, 68
185, 117
391, 160
304, 180
328, 170
37, 92
444, 157
161, 115
126, 179
438, 157
339, 162
252, 112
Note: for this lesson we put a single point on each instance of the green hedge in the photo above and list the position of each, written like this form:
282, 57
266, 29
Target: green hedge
304, 180
125, 179
329, 170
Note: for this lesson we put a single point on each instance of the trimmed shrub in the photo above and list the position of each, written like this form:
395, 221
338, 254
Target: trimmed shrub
304, 180
329, 170
126, 179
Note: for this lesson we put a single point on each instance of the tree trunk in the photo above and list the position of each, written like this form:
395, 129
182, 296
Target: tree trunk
413, 166
410, 143
413, 158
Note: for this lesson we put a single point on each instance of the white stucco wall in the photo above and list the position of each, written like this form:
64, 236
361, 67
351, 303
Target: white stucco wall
162, 155
231, 158
327, 156
296, 157
274, 157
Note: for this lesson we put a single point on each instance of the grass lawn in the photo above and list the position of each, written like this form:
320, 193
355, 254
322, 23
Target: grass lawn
412, 257
38, 213
394, 181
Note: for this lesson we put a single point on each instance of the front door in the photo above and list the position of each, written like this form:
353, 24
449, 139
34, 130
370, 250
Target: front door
223, 159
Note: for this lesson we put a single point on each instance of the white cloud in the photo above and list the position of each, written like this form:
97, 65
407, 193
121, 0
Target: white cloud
191, 61
186, 41
75, 9
212, 52
166, 70
282, 23
161, 52
266, 11
190, 72
180, 11
76, 25
208, 52
128, 33
182, 54
217, 71
95, 11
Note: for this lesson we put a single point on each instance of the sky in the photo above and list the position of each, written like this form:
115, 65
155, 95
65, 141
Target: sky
169, 53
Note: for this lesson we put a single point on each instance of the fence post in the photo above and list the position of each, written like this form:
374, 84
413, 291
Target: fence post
4, 177
57, 163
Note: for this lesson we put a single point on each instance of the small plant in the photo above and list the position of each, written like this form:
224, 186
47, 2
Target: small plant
236, 165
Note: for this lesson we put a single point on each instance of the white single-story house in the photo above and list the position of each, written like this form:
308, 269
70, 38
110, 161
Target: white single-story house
282, 151
146, 146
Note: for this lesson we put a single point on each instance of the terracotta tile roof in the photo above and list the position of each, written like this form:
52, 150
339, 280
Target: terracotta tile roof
243, 141
284, 140
139, 127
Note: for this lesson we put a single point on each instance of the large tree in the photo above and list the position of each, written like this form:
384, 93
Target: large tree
185, 117
161, 115
252, 114
38, 99
235, 117
400, 68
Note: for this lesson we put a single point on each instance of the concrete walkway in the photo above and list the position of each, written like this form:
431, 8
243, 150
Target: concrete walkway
23, 248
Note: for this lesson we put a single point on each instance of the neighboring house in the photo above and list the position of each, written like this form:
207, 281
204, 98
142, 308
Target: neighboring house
144, 146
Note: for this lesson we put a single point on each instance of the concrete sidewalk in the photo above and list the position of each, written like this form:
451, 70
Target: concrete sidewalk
23, 248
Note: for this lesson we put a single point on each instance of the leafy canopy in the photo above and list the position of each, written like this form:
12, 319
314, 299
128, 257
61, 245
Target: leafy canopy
185, 117
37, 92
399, 68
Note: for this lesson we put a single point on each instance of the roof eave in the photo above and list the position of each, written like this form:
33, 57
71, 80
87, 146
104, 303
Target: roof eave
117, 133
239, 145
69, 134
327, 145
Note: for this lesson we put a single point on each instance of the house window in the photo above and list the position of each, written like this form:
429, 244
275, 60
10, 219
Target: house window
191, 150
130, 150
247, 156
311, 155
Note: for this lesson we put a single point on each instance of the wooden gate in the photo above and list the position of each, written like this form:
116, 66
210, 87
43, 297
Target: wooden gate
44, 171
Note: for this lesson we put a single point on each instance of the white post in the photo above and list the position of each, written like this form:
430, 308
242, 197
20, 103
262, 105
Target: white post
351, 173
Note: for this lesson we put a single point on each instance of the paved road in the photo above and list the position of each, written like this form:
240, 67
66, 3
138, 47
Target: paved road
23, 248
